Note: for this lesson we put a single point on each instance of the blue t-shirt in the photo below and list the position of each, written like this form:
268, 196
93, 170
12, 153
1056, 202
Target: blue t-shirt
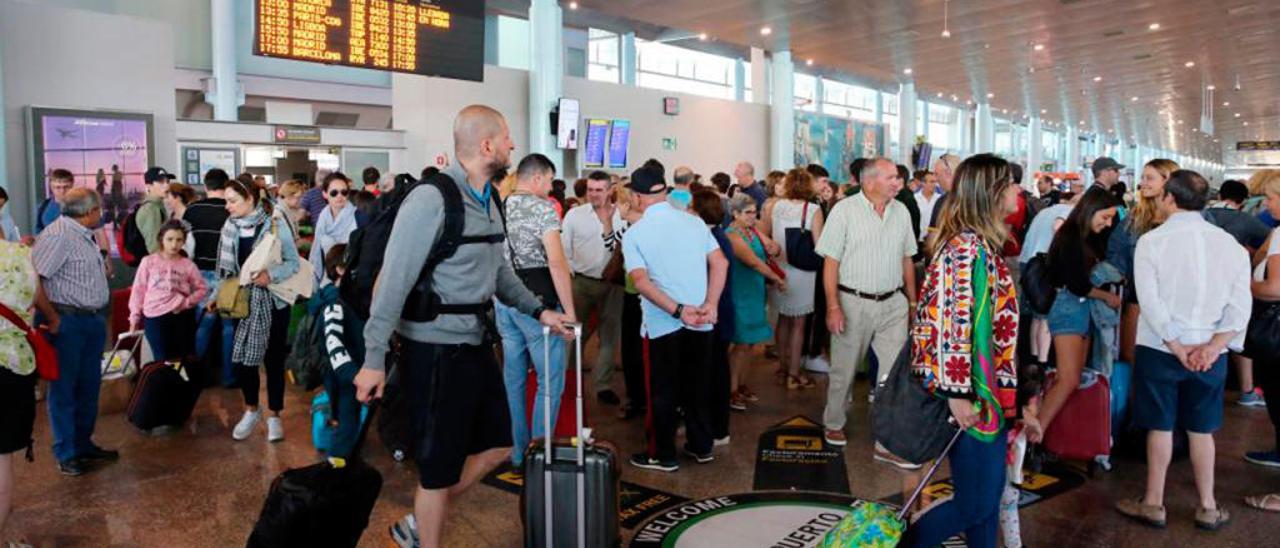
50, 213
672, 247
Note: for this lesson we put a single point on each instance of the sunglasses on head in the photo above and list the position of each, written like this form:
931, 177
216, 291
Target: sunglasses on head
335, 193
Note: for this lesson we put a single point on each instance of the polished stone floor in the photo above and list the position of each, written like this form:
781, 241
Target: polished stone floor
198, 488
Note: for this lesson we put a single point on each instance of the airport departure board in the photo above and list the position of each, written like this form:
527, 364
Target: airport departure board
430, 37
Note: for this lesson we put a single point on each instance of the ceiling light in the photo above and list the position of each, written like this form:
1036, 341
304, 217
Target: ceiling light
991, 96
1134, 98
808, 62
1237, 115
954, 98
765, 31
573, 5
1044, 111
1038, 47
1032, 70
1211, 87
946, 33
1154, 26
1226, 103
906, 71
1246, 124
1189, 64
939, 94
702, 36
1097, 78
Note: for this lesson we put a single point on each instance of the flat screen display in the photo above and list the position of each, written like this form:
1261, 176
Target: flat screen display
597, 134
567, 132
619, 141
430, 37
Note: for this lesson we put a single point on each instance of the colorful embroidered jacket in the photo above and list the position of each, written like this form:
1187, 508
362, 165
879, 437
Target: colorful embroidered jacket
964, 346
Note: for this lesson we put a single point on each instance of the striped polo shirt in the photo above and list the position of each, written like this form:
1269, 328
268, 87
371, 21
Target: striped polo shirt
70, 266
870, 248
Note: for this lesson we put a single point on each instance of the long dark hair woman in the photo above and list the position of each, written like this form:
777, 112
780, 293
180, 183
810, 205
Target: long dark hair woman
1079, 245
261, 337
968, 302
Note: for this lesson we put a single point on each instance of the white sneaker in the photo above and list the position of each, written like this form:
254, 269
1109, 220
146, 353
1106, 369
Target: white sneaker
275, 429
246, 424
404, 533
720, 442
818, 364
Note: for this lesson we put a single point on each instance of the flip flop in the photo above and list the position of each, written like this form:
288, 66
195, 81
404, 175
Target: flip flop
1266, 503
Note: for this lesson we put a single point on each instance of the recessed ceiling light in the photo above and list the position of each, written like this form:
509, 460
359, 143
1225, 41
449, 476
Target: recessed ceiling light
1211, 87
1154, 26
1189, 64
702, 36
954, 98
808, 62
573, 5
939, 94
946, 33
991, 96
1226, 103
1032, 70
1038, 47
1097, 78
1246, 124
765, 31
1044, 111
907, 71
1237, 115
1134, 98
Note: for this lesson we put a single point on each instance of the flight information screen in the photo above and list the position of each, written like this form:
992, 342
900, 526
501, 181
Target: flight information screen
430, 37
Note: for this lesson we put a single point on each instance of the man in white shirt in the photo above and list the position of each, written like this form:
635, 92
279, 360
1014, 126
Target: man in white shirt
927, 198
1192, 281
588, 241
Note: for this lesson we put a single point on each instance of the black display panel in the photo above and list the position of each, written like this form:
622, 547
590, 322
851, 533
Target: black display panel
430, 37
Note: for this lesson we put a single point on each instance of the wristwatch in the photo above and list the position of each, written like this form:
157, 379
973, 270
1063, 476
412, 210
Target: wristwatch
679, 309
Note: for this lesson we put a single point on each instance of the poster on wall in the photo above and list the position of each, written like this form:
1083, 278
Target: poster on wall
107, 151
196, 161
834, 142
619, 142
597, 134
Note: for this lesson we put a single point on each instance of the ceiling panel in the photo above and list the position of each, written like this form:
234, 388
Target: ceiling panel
991, 50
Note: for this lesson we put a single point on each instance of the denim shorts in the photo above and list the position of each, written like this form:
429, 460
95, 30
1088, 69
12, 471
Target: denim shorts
1166, 394
1069, 315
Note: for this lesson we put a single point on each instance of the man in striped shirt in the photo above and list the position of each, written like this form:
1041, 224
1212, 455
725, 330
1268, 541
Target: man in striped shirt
70, 265
869, 281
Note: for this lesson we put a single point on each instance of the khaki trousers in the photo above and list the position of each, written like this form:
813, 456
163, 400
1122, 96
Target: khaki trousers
605, 300
880, 326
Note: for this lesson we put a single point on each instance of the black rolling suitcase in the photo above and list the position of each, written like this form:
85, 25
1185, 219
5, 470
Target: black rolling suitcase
319, 505
589, 519
165, 396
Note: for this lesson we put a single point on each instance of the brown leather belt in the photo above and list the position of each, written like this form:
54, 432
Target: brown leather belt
877, 297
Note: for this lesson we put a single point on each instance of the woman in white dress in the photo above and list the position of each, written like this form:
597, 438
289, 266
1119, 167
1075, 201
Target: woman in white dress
795, 210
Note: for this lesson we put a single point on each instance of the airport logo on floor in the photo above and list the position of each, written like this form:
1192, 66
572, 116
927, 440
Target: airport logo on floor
636, 503
778, 519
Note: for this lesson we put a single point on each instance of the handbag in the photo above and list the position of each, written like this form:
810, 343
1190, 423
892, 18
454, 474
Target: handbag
1262, 337
906, 419
615, 271
233, 300
800, 247
1036, 285
46, 355
768, 261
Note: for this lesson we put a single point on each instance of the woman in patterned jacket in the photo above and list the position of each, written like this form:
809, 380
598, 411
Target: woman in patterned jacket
964, 339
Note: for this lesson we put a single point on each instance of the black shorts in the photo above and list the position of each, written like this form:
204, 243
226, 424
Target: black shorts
17, 410
459, 406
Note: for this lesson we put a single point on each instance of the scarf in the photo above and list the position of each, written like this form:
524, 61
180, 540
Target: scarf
254, 333
991, 415
229, 243
330, 231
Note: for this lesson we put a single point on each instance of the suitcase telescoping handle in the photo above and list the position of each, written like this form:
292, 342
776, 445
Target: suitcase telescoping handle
928, 476
579, 442
136, 336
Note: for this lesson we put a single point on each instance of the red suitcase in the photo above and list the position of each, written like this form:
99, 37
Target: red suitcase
566, 418
1082, 429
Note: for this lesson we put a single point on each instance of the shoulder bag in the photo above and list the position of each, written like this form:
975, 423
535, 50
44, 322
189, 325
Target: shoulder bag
907, 420
800, 246
768, 261
46, 355
1262, 337
1036, 285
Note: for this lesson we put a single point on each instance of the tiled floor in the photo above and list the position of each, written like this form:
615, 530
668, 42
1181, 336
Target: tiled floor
198, 488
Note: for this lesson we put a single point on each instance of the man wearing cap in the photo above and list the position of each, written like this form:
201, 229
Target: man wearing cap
679, 270
1106, 172
151, 213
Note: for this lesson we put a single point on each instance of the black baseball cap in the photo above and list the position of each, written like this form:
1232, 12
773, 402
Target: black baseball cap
647, 180
1106, 162
158, 174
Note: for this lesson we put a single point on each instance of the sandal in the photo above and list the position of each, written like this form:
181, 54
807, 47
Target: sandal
1269, 502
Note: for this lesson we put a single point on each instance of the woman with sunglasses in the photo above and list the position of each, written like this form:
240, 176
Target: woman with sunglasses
335, 223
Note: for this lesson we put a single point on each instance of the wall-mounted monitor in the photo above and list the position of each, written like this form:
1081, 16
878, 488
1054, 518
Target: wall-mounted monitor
619, 142
597, 137
567, 130
431, 37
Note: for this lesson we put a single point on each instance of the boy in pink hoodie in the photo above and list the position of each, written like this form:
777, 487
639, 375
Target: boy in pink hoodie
166, 289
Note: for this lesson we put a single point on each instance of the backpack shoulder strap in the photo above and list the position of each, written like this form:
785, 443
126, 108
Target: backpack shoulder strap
454, 220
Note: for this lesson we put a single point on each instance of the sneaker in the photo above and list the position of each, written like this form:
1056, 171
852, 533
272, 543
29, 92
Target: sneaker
883, 455
1251, 399
642, 460
736, 403
836, 438
405, 532
818, 364
720, 442
97, 453
1103, 462
246, 424
1270, 459
275, 429
1212, 520
70, 468
608, 397
702, 459
1135, 509
871, 398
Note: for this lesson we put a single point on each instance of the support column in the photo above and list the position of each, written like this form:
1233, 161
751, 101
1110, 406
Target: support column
759, 77
984, 129
1035, 147
627, 59
740, 80
782, 129
820, 93
226, 91
546, 77
906, 122
1072, 135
